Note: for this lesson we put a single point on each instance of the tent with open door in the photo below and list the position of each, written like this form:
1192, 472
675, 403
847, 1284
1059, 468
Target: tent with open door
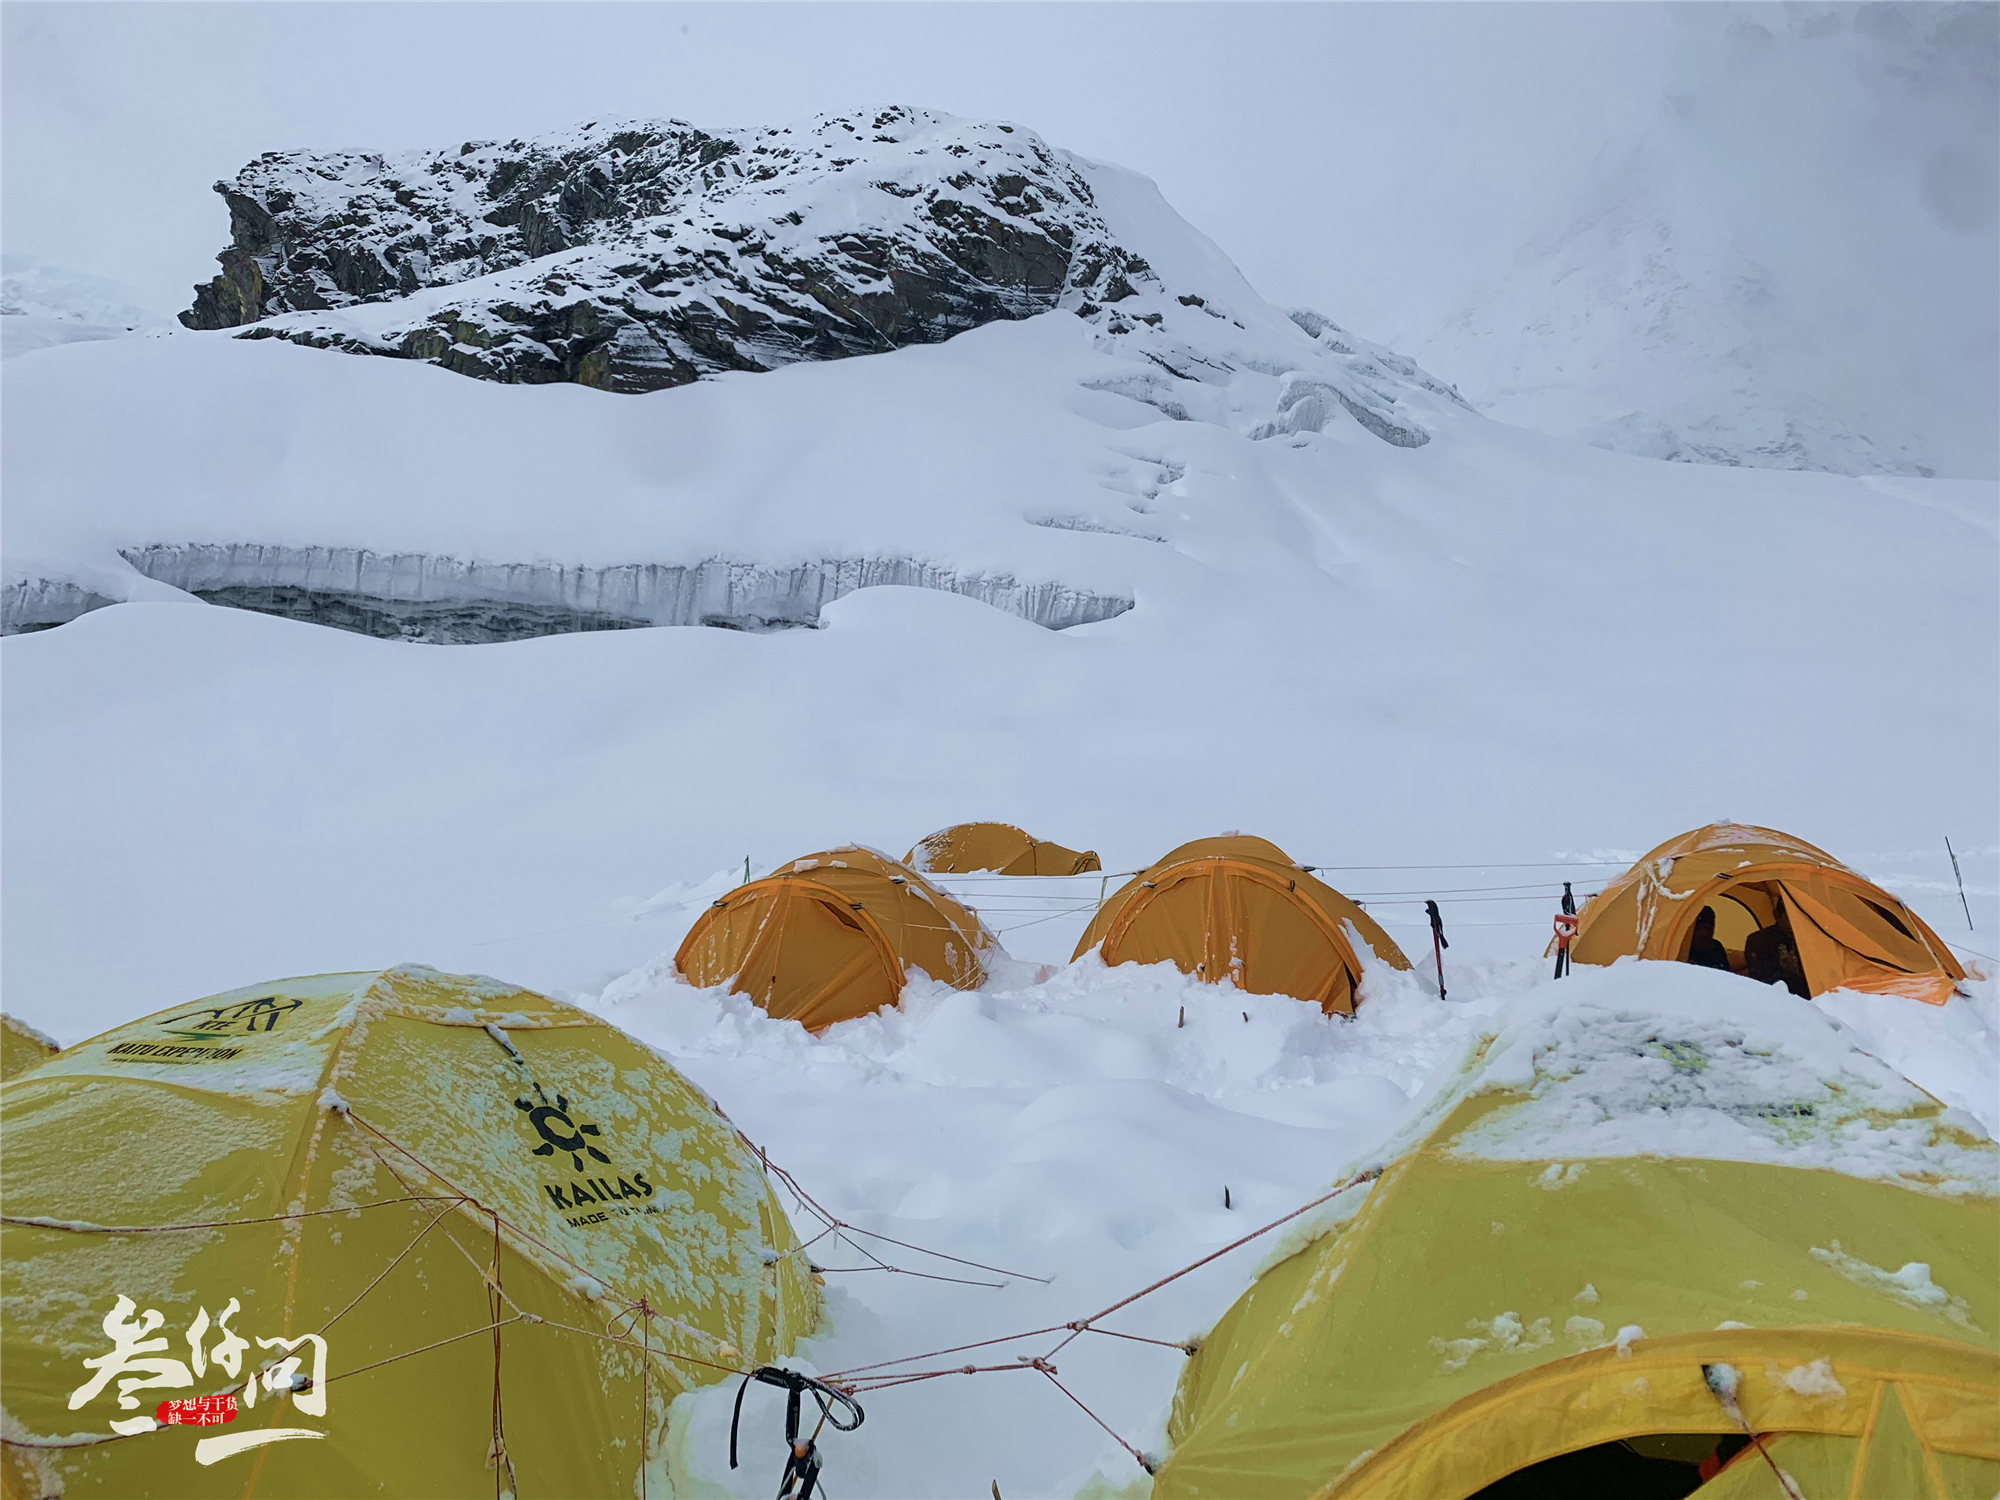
1239, 910
22, 1047
965, 848
1847, 932
400, 1233
1634, 1183
833, 936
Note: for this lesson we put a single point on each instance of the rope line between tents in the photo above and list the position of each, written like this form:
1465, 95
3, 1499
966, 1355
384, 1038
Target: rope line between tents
1083, 1325
71, 1226
1049, 1371
836, 1225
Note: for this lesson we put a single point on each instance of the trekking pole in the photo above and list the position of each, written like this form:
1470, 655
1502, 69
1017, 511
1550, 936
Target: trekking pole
1438, 941
1566, 924
1961, 883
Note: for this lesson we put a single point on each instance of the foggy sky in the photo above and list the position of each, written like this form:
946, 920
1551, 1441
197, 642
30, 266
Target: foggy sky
1368, 160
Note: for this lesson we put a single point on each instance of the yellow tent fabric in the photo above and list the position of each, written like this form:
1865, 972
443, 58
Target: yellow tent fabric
517, 1234
830, 937
1849, 932
1517, 1290
966, 848
1240, 910
22, 1047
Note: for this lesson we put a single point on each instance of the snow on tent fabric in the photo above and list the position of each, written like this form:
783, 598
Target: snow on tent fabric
966, 848
1238, 909
1848, 932
22, 1047
1523, 1303
831, 937
465, 1189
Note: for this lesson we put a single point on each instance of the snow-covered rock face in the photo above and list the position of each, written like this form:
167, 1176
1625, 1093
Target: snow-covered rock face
633, 255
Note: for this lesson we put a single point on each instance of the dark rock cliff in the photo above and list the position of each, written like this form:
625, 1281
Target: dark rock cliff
633, 256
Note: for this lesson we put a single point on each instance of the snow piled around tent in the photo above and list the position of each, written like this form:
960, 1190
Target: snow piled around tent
1083, 1129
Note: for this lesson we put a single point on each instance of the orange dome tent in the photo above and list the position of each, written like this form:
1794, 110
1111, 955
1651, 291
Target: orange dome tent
1000, 847
829, 937
1848, 932
1238, 908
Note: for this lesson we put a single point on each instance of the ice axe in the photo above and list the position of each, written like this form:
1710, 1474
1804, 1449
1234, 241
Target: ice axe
1438, 941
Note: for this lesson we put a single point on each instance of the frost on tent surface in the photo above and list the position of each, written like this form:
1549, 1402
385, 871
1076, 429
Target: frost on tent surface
1765, 1080
365, 1088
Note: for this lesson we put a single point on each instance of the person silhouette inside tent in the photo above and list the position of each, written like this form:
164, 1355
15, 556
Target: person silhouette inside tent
1770, 956
1704, 948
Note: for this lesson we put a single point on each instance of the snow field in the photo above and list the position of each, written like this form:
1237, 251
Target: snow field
1498, 647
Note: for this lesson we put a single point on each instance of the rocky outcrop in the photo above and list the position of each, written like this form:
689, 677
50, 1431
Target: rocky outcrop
633, 256
446, 601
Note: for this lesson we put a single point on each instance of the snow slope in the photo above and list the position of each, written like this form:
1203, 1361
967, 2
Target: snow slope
1494, 648
1418, 648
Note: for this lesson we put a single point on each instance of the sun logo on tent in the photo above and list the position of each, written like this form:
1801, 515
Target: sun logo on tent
559, 1132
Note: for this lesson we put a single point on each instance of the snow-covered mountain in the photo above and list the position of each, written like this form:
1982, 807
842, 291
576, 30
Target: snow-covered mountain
42, 305
634, 255
1788, 264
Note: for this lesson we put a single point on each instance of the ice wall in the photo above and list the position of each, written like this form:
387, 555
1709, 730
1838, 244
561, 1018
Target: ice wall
446, 601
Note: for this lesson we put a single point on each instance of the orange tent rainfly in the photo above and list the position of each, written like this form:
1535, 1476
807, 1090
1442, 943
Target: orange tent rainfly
829, 937
1002, 848
1239, 909
1847, 932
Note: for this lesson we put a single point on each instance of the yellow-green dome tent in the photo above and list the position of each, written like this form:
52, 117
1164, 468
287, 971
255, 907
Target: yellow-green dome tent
22, 1047
516, 1233
966, 848
1615, 1193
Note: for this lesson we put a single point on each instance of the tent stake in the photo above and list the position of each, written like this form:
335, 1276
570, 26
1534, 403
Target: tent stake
1961, 884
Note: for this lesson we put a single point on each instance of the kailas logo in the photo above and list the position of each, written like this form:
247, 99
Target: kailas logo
558, 1131
580, 1198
